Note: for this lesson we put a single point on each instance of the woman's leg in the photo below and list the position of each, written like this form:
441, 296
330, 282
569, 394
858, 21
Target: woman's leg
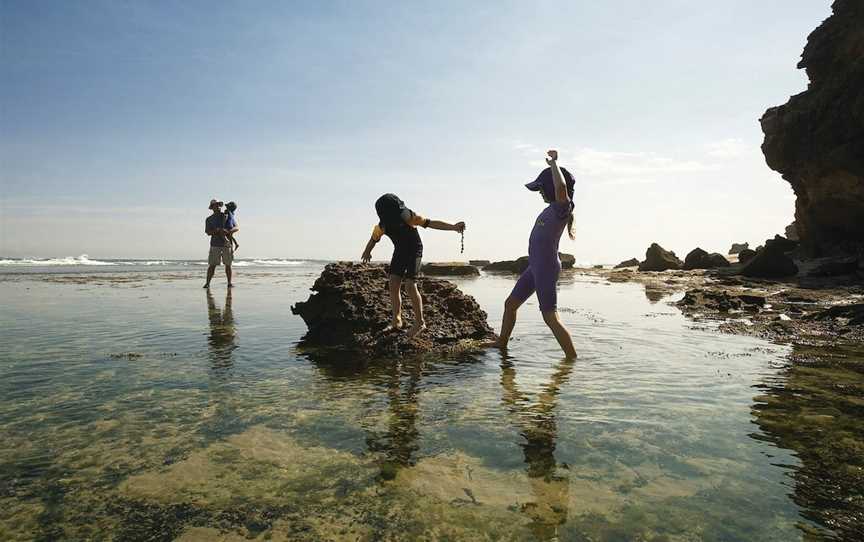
521, 292
396, 302
547, 295
560, 332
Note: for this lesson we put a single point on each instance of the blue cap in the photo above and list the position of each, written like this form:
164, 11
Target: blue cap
546, 184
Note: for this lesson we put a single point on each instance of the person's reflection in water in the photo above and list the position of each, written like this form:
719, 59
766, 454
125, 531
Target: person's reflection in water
538, 426
398, 443
222, 340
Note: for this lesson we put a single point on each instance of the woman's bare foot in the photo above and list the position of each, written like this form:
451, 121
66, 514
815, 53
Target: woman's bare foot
417, 329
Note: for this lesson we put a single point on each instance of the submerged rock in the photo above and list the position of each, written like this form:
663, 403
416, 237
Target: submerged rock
816, 139
632, 262
351, 307
451, 269
659, 259
700, 259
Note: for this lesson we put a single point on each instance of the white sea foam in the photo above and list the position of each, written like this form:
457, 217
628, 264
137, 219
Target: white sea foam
267, 263
69, 260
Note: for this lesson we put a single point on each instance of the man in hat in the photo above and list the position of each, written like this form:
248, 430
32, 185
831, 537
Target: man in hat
221, 251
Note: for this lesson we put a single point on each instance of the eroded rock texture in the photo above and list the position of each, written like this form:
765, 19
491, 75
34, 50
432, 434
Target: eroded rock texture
351, 307
816, 140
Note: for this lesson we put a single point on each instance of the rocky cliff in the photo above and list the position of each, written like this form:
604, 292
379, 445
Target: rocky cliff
351, 307
816, 140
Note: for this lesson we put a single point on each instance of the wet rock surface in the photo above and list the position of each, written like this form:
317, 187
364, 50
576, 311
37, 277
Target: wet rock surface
659, 259
816, 139
351, 308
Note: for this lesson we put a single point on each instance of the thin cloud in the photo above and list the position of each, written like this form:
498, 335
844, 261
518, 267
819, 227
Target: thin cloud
604, 164
727, 148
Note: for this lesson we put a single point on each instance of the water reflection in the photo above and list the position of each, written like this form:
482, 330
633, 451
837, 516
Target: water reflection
538, 426
654, 294
222, 340
398, 443
815, 407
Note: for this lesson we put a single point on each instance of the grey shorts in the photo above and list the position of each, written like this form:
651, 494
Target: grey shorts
220, 255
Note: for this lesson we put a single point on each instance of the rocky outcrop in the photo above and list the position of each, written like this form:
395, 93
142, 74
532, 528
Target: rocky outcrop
700, 259
479, 263
351, 307
509, 266
772, 260
746, 255
632, 262
659, 259
521, 264
816, 140
451, 269
738, 247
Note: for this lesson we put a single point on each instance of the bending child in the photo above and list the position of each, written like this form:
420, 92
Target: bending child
555, 184
400, 224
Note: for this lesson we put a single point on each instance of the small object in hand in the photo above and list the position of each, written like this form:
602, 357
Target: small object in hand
462, 235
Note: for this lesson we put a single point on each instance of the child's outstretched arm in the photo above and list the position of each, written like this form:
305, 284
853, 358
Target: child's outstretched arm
561, 194
439, 225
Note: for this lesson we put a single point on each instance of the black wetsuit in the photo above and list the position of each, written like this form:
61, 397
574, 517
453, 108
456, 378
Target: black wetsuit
407, 249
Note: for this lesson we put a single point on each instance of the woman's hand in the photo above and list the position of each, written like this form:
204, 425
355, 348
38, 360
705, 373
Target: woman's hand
553, 156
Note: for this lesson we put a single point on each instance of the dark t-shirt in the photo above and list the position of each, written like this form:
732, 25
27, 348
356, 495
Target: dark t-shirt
214, 222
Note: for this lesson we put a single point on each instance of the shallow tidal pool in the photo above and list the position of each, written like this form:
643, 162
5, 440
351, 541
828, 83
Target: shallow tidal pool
138, 406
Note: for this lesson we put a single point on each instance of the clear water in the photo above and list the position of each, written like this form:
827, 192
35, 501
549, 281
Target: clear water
135, 406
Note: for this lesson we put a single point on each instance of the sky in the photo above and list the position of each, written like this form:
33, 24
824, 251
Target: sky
120, 120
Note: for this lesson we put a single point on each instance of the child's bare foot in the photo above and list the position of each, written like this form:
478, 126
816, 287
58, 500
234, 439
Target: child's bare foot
494, 344
416, 329
394, 325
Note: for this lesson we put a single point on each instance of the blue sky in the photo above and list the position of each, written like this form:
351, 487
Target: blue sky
119, 121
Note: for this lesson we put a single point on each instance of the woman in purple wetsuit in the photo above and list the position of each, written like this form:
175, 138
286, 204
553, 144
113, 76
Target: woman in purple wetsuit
555, 184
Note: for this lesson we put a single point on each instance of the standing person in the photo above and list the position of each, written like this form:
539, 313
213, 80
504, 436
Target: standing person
543, 264
400, 224
231, 223
220, 249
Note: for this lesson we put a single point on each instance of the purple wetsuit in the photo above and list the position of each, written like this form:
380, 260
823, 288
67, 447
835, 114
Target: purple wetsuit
543, 264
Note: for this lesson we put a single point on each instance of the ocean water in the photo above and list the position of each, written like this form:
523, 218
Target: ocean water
134, 405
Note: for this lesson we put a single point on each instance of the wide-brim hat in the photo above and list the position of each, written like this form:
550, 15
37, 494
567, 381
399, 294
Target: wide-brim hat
545, 183
214, 202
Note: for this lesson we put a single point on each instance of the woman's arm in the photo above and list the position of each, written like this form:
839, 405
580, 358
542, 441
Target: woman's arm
561, 194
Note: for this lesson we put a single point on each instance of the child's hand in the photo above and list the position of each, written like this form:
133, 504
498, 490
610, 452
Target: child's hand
553, 156
366, 257
459, 226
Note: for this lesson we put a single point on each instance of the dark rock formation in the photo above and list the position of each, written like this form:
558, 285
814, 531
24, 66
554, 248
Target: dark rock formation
699, 259
738, 247
351, 308
791, 232
816, 140
659, 259
521, 264
452, 269
632, 262
479, 263
509, 266
746, 255
772, 260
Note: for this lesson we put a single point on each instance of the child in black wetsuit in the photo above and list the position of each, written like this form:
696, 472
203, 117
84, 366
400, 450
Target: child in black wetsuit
231, 223
400, 224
